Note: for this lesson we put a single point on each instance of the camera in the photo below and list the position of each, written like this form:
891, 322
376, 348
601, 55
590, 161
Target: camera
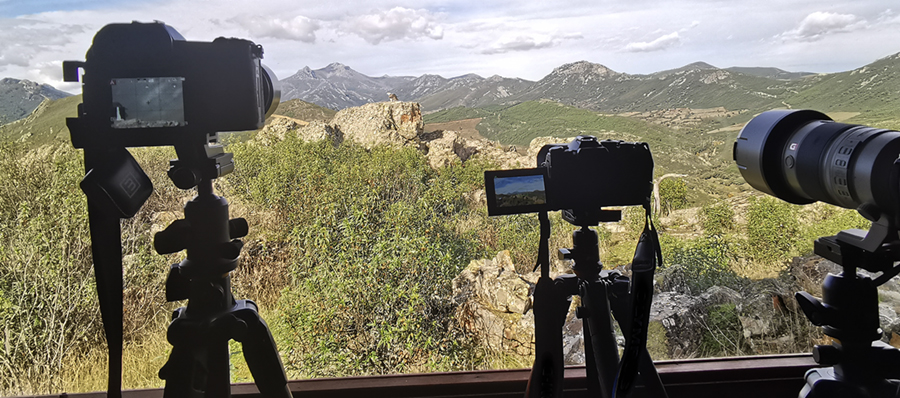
803, 156
583, 175
145, 85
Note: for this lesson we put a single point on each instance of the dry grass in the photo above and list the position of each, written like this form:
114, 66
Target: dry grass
87, 371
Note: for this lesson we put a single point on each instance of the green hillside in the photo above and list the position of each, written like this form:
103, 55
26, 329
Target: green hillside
46, 124
874, 87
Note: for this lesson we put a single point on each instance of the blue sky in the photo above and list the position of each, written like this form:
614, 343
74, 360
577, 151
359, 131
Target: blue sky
522, 38
510, 185
14, 8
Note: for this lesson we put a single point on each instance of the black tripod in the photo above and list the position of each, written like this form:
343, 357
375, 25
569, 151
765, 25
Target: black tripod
860, 364
199, 333
602, 292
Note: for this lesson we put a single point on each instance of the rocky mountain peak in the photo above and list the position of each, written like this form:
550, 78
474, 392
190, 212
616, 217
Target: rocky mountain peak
305, 73
700, 65
336, 69
584, 68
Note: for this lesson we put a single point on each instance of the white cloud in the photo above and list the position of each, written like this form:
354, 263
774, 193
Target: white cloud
22, 39
527, 43
820, 24
661, 43
454, 37
299, 28
395, 24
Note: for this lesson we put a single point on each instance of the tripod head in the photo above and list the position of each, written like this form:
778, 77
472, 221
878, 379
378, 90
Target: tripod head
585, 250
861, 365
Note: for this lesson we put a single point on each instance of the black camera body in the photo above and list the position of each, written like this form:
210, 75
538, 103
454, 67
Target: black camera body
583, 175
145, 85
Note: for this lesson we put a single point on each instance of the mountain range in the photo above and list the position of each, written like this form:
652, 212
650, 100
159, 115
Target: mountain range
580, 84
18, 98
583, 84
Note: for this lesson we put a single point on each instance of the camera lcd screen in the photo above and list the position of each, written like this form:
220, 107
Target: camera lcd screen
147, 102
516, 191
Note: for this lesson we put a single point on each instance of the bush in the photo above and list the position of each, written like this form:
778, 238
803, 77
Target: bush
696, 265
47, 305
723, 334
672, 195
773, 230
717, 218
377, 237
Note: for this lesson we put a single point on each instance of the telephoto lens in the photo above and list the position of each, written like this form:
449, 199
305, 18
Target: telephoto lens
803, 156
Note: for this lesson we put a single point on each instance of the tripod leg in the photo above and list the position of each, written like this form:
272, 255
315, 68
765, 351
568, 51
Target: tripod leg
261, 353
179, 373
603, 338
218, 382
590, 364
550, 307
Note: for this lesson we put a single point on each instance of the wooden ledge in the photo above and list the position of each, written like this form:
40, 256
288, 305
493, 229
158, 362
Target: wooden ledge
737, 377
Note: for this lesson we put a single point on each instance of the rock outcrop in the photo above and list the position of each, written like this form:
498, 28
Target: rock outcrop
381, 123
494, 305
397, 124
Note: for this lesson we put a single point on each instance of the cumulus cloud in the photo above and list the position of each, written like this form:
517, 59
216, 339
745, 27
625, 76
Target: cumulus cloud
661, 43
299, 28
528, 43
22, 39
820, 24
395, 24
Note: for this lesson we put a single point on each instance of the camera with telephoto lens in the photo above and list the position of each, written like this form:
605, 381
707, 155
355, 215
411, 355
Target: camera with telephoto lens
802, 156
145, 85
583, 175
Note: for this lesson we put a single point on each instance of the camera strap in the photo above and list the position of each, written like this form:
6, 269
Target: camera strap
647, 257
106, 249
116, 188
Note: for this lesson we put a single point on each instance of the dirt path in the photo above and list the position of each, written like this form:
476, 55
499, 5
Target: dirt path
466, 128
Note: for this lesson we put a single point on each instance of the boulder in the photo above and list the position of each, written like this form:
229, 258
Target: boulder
493, 304
382, 123
681, 318
275, 131
318, 130
446, 147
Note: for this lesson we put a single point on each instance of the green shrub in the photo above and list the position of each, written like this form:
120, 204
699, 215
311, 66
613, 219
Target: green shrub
700, 263
672, 195
825, 220
47, 297
773, 230
377, 237
723, 333
717, 218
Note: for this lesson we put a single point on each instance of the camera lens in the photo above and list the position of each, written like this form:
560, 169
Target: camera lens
802, 156
271, 90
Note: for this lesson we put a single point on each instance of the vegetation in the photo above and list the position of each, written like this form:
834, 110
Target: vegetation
672, 195
352, 251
